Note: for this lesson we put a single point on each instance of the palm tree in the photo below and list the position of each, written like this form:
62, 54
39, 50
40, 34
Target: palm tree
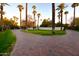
34, 7
1, 7
53, 17
60, 8
26, 13
34, 13
74, 5
2, 12
66, 12
38, 20
20, 10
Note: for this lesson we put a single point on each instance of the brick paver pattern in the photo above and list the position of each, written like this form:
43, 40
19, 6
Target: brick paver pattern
28, 44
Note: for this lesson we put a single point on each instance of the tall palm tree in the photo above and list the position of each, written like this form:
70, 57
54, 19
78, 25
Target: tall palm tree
66, 12
2, 12
1, 7
53, 17
74, 5
26, 13
34, 13
38, 20
34, 7
60, 8
20, 10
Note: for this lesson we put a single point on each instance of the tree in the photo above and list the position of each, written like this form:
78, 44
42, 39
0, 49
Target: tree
1, 7
2, 12
38, 20
46, 23
34, 13
7, 23
53, 17
66, 12
34, 7
76, 21
76, 24
30, 24
20, 10
26, 14
15, 18
60, 8
74, 5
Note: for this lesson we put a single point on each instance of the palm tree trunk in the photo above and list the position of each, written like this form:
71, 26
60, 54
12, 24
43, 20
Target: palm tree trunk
20, 19
61, 18
34, 22
38, 24
26, 14
66, 19
74, 17
1, 11
65, 26
53, 17
2, 15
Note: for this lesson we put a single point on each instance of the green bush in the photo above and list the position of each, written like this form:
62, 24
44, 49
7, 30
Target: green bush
76, 27
1, 28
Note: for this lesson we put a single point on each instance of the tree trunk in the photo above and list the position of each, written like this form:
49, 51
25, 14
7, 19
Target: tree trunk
38, 23
1, 15
65, 26
34, 22
20, 19
66, 19
26, 14
1, 11
53, 17
61, 18
74, 18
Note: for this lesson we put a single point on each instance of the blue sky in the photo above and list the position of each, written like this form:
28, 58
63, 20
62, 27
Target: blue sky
43, 8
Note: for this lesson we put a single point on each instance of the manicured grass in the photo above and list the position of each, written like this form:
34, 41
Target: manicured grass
45, 32
7, 40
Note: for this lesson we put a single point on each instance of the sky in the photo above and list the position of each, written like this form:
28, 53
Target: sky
45, 9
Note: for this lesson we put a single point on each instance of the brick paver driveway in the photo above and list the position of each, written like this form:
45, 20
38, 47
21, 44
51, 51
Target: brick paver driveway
36, 45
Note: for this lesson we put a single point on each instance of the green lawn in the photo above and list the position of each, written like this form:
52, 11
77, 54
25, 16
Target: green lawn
7, 40
45, 32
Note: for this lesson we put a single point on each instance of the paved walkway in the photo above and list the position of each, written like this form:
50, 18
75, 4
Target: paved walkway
35, 45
